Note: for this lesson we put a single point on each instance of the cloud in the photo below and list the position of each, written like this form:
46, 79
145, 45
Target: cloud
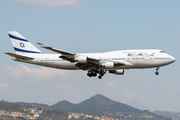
42, 72
132, 96
51, 3
110, 84
74, 96
135, 100
4, 88
66, 86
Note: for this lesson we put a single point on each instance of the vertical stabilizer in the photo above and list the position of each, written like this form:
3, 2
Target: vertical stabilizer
22, 45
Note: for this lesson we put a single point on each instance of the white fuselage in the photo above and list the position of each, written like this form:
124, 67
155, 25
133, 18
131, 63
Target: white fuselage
134, 59
95, 63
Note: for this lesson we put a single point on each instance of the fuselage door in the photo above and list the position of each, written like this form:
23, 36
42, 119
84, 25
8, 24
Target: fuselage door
129, 57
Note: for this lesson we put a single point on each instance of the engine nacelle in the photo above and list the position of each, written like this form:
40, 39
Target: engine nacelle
117, 72
81, 59
108, 65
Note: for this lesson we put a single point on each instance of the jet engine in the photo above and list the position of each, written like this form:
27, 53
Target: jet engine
117, 72
81, 59
108, 65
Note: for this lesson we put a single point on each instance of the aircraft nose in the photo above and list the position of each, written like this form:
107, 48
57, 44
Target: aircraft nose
173, 59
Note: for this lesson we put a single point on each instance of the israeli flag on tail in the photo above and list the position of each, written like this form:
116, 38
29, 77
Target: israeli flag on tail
22, 45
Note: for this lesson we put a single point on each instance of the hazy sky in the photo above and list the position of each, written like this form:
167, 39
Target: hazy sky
92, 26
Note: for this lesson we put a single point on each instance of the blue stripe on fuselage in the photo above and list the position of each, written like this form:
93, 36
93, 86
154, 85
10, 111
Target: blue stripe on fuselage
14, 37
27, 51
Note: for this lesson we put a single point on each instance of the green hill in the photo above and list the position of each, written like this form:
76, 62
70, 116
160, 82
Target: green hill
103, 106
96, 105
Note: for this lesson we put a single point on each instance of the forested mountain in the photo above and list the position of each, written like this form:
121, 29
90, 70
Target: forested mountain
96, 105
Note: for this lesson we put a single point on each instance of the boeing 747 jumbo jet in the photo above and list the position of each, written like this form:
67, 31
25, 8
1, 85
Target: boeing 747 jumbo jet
94, 63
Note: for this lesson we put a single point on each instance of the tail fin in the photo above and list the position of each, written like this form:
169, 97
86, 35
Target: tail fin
21, 45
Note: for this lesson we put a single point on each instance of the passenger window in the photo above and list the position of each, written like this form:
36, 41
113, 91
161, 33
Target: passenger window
140, 54
129, 54
152, 54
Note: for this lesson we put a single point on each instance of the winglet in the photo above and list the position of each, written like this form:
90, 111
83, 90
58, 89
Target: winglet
41, 45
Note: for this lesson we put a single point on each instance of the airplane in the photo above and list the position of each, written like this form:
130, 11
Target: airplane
94, 63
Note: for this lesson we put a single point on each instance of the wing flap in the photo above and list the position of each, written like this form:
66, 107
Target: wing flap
84, 66
124, 63
68, 58
93, 60
119, 63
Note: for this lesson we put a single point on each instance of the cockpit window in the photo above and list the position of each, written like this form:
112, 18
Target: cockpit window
162, 52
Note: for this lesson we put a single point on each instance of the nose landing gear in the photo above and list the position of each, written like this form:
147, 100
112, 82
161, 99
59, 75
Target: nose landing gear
157, 73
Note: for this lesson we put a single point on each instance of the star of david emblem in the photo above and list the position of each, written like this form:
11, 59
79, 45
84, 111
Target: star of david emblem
22, 44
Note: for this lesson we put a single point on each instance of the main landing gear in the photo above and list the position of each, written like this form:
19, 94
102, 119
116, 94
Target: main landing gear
157, 73
100, 75
94, 74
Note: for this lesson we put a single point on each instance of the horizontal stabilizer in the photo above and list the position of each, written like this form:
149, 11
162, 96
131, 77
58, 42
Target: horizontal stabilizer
18, 56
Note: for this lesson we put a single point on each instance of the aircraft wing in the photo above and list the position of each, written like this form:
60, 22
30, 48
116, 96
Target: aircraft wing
19, 56
69, 56
85, 66
64, 54
92, 62
119, 63
55, 50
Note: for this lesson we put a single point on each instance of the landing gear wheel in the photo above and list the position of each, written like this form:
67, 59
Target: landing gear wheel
157, 73
101, 74
94, 74
89, 74
99, 77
